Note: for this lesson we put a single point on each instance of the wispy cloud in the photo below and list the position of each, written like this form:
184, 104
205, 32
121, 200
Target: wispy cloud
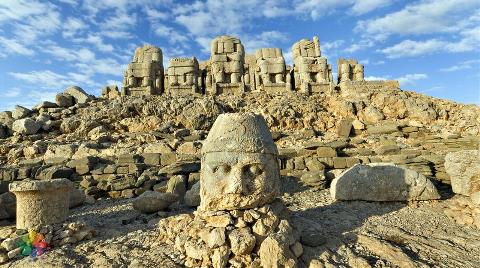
462, 66
410, 79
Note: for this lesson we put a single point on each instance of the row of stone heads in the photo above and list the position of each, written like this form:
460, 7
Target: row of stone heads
230, 69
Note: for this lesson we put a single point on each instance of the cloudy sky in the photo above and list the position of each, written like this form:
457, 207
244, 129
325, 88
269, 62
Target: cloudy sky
430, 46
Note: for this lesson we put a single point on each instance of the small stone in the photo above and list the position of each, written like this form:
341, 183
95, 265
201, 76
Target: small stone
192, 196
3, 257
314, 178
151, 201
222, 220
275, 253
242, 241
297, 249
10, 243
177, 185
14, 253
216, 238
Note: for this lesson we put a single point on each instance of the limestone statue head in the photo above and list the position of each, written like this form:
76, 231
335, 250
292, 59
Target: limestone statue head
239, 164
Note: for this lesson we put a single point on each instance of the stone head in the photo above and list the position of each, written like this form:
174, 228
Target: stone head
239, 164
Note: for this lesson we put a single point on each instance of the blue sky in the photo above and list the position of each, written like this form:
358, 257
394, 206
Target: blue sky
432, 47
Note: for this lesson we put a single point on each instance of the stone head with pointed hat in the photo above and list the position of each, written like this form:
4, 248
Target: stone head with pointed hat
239, 164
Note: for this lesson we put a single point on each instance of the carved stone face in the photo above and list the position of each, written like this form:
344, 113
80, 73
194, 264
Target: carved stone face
232, 180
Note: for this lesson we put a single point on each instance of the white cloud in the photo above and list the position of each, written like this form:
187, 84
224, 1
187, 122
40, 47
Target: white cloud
409, 48
67, 54
44, 79
410, 79
11, 93
97, 41
470, 41
11, 46
263, 40
21, 9
373, 78
72, 26
172, 35
423, 17
365, 6
362, 44
332, 44
316, 9
462, 66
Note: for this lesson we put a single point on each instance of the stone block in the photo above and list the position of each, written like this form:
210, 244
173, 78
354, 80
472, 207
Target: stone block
344, 128
339, 162
129, 159
168, 159
326, 152
382, 182
151, 159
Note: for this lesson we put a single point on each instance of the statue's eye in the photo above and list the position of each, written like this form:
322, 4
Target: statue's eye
223, 168
255, 169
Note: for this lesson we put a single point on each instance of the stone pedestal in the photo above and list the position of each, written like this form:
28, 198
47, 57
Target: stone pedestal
41, 203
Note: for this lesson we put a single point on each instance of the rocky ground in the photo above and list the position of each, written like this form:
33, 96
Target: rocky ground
115, 150
335, 234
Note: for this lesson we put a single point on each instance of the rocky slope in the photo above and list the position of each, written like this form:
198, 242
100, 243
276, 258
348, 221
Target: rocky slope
118, 149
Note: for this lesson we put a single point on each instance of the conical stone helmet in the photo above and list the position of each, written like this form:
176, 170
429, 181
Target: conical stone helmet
240, 132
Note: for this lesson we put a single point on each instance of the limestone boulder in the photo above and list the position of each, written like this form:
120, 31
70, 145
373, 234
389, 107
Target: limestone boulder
192, 196
382, 182
26, 126
20, 112
177, 185
64, 100
274, 252
151, 201
78, 94
314, 178
464, 170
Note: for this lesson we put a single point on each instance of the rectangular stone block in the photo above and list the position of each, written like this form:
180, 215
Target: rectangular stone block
122, 170
129, 159
228, 47
151, 159
352, 161
339, 162
168, 159
326, 152
299, 163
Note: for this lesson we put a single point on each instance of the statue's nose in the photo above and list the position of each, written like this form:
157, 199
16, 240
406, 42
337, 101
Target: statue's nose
235, 182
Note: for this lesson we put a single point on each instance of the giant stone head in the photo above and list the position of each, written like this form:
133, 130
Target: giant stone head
239, 164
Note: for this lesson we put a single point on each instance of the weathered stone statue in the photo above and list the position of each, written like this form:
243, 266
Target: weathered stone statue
350, 70
312, 73
239, 164
41, 203
226, 66
270, 73
183, 76
239, 222
144, 75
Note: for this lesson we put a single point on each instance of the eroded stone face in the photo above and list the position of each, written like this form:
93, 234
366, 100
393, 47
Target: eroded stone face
239, 164
238, 180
